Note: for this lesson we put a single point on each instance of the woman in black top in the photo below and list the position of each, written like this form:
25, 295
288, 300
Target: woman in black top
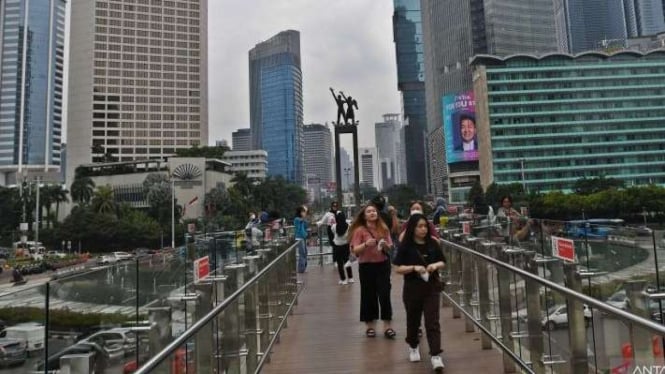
419, 260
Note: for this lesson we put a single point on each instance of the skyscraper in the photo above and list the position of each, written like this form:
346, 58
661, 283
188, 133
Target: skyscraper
241, 140
318, 152
584, 25
31, 80
368, 168
644, 17
454, 31
387, 137
408, 36
276, 104
138, 79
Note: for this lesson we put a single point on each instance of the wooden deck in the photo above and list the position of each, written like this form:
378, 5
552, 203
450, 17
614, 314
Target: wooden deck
324, 336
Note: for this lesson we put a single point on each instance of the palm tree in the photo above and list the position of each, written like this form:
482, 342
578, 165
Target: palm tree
82, 190
59, 196
103, 200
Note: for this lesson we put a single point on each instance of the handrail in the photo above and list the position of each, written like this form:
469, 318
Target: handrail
641, 322
198, 325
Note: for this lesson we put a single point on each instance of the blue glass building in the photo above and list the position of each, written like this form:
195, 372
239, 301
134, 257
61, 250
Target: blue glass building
408, 37
548, 121
31, 81
276, 104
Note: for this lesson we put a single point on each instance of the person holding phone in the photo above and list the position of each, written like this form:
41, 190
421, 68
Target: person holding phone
419, 259
371, 243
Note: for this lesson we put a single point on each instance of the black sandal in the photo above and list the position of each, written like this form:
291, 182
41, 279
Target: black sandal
371, 333
390, 333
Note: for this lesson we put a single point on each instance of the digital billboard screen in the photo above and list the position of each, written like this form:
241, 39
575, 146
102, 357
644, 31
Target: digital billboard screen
459, 127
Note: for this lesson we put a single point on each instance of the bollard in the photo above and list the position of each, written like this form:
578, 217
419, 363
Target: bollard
483, 294
233, 353
505, 311
579, 361
534, 317
252, 330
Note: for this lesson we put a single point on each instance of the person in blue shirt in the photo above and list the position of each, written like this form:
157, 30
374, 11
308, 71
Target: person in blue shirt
301, 237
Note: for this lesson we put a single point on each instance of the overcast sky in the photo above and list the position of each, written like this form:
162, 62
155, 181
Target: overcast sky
346, 44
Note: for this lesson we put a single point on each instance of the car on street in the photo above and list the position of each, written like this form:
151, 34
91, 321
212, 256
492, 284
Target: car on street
122, 256
103, 358
619, 300
557, 316
106, 260
121, 336
55, 254
12, 351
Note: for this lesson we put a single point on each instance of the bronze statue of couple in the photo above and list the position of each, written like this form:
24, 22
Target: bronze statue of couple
347, 115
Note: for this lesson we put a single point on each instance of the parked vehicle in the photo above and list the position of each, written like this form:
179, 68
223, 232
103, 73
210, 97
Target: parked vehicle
32, 334
102, 358
619, 300
557, 316
122, 256
124, 337
55, 254
12, 351
106, 260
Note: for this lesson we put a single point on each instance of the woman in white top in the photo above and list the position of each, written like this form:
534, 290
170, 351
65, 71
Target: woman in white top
340, 246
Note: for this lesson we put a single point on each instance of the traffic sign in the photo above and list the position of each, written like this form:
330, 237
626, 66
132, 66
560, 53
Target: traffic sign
466, 228
563, 248
201, 268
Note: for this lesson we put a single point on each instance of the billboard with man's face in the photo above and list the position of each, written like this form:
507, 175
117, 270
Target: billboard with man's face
459, 127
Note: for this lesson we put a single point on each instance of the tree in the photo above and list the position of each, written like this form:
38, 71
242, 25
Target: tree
476, 192
103, 201
158, 193
400, 195
82, 190
587, 186
205, 151
59, 196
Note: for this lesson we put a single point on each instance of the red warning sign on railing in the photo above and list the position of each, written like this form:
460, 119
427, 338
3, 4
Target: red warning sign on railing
466, 228
563, 248
201, 268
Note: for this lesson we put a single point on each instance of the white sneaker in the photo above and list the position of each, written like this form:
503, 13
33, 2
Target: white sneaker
351, 280
342, 283
414, 354
437, 363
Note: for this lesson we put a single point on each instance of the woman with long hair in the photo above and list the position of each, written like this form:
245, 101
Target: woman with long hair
341, 248
371, 243
419, 260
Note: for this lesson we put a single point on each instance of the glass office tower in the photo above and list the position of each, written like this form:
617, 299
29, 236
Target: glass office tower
276, 104
552, 120
31, 81
408, 37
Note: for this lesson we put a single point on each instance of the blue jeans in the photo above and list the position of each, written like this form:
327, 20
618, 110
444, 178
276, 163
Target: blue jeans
302, 255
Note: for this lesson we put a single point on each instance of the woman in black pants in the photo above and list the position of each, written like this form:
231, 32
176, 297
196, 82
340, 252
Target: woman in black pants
371, 243
340, 242
419, 260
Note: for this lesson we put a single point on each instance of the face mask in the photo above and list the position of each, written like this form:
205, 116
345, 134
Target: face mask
416, 212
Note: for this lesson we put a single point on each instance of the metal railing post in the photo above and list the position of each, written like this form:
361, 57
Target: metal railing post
483, 294
252, 326
468, 277
640, 339
505, 313
265, 313
455, 280
320, 245
577, 336
204, 337
233, 354
534, 327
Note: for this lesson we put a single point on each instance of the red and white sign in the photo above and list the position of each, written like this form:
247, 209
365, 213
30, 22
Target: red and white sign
201, 268
466, 228
563, 249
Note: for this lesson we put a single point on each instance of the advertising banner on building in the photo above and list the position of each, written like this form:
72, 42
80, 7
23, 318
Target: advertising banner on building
459, 127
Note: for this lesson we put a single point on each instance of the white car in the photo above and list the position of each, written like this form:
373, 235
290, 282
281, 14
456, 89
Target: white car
55, 254
122, 256
123, 338
557, 316
106, 260
619, 300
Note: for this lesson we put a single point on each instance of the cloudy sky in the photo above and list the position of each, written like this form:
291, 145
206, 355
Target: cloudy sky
345, 44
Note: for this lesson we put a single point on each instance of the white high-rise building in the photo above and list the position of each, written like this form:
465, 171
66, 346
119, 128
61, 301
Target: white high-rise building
389, 144
346, 168
369, 167
138, 79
